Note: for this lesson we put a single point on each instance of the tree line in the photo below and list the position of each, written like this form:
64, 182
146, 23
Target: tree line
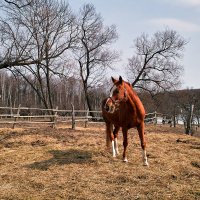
14, 91
180, 104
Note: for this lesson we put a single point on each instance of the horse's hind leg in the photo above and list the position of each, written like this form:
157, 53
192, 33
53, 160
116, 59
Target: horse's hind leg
140, 129
125, 143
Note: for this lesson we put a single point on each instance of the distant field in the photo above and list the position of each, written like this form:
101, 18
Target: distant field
45, 163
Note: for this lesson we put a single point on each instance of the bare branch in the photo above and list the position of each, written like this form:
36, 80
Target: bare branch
155, 65
92, 52
19, 3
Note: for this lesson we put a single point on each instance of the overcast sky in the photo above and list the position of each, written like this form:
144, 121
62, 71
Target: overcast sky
134, 17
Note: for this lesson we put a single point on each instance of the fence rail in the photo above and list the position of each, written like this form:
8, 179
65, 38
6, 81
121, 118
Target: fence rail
25, 115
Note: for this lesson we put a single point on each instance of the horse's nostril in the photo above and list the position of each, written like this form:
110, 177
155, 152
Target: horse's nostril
107, 108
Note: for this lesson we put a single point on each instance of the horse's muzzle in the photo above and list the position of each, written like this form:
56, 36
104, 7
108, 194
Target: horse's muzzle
109, 108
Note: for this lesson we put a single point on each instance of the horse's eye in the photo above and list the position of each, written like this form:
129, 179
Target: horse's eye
116, 92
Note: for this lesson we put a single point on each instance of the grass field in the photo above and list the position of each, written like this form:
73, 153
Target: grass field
46, 163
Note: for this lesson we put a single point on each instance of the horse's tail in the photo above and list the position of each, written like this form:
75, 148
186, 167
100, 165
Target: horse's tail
109, 132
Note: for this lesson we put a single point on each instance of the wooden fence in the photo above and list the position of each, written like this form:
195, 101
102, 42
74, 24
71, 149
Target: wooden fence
25, 115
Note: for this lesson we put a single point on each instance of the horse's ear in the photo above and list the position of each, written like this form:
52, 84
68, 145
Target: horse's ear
113, 80
120, 79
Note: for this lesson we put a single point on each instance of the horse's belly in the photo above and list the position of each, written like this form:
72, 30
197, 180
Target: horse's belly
125, 120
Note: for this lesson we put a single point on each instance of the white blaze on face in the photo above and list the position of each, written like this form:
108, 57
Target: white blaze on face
112, 89
112, 105
107, 101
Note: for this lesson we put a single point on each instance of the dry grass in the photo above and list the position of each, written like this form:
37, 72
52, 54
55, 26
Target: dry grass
65, 164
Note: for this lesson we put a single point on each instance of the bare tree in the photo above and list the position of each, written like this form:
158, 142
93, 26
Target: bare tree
155, 66
23, 30
197, 113
15, 90
92, 54
36, 40
188, 101
18, 3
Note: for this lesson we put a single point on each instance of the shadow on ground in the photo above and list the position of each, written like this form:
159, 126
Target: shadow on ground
63, 158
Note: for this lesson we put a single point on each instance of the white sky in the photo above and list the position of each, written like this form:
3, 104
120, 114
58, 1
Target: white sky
134, 17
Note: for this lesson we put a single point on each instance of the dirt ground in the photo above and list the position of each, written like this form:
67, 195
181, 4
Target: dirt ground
46, 163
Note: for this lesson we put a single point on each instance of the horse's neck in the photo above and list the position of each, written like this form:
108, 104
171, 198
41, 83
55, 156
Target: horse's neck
135, 102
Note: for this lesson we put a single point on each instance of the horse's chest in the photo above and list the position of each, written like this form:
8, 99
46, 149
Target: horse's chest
126, 116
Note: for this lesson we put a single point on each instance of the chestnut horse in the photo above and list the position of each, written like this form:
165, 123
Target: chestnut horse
123, 109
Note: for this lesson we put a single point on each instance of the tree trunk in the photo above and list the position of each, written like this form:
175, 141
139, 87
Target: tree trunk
87, 98
174, 118
189, 121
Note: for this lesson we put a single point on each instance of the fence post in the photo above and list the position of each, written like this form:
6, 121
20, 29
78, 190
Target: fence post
55, 117
11, 112
16, 117
87, 118
18, 110
155, 118
73, 117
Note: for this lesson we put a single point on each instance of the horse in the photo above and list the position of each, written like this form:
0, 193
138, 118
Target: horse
123, 109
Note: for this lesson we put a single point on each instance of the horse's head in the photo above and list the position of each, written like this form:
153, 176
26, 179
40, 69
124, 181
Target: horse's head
118, 94
119, 90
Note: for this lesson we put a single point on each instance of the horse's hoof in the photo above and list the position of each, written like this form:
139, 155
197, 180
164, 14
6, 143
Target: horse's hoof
125, 160
146, 164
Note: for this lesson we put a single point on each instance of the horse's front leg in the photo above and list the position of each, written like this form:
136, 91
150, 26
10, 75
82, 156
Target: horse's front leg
110, 138
125, 143
115, 132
